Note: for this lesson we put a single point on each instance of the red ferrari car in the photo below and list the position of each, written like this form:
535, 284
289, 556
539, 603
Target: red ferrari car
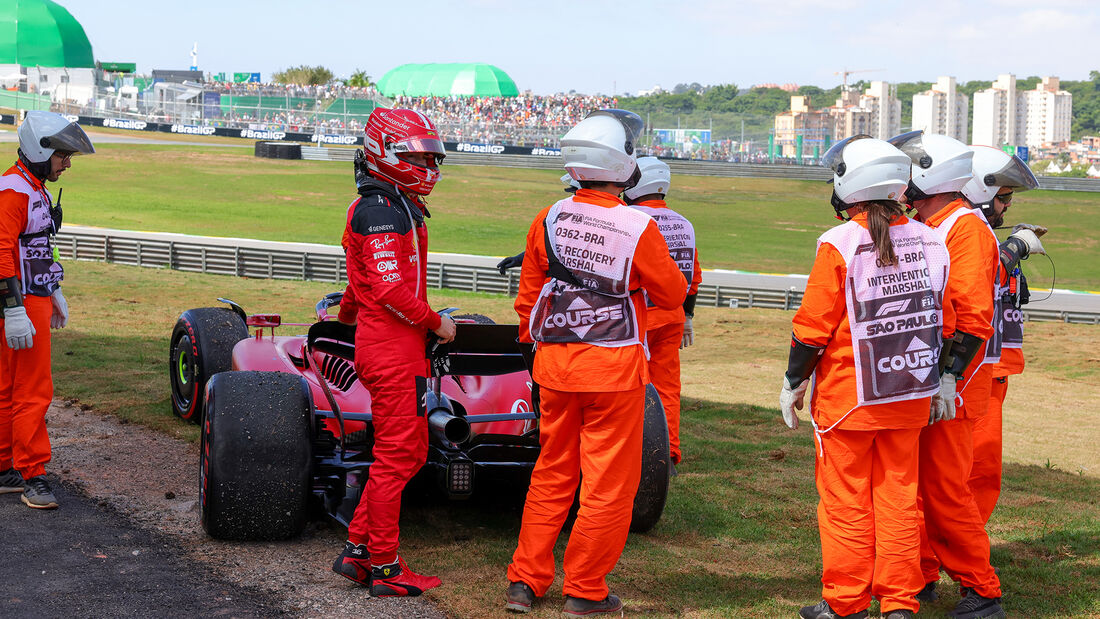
285, 420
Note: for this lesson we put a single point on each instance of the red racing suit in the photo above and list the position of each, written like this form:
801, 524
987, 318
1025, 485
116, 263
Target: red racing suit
26, 384
386, 242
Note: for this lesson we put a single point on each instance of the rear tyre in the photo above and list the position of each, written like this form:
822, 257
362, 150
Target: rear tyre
255, 456
201, 346
649, 503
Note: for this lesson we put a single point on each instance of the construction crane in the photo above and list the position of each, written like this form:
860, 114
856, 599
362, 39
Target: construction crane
847, 72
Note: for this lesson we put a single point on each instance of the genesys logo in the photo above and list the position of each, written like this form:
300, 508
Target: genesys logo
918, 359
191, 130
255, 134
328, 138
123, 123
488, 149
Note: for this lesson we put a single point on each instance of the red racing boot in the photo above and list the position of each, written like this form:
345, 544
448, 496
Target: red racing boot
397, 580
354, 563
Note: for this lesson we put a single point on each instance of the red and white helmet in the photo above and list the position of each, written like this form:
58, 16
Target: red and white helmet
392, 134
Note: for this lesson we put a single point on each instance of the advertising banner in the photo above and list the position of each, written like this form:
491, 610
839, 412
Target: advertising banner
683, 140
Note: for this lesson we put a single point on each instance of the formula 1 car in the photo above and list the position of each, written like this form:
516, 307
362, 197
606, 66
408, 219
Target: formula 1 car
286, 424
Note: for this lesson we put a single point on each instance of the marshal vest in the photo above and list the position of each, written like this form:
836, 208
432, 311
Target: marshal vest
597, 244
679, 236
895, 312
993, 345
39, 274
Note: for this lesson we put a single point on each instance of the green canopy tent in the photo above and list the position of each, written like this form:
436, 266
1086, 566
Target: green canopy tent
42, 33
447, 79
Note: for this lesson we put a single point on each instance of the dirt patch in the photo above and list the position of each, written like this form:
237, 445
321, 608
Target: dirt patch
152, 480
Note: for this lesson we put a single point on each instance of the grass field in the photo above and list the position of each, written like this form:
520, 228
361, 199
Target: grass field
738, 538
766, 225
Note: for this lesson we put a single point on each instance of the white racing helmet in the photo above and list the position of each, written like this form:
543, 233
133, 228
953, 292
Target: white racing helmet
994, 169
865, 169
940, 164
42, 133
655, 178
601, 147
571, 184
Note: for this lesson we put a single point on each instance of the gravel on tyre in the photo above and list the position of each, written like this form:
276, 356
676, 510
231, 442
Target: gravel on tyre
256, 456
201, 346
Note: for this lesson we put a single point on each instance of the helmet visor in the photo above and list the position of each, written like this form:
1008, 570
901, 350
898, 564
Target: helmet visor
910, 143
1015, 174
632, 124
71, 139
420, 144
835, 155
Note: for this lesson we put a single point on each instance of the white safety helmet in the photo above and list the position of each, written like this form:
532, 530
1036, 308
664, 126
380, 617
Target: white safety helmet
656, 178
994, 169
940, 164
571, 184
42, 133
866, 169
601, 147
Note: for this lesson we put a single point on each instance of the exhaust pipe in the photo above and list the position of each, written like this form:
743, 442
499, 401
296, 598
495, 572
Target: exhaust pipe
443, 423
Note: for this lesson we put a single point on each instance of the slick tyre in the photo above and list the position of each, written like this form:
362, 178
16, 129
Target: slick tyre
201, 346
255, 456
649, 503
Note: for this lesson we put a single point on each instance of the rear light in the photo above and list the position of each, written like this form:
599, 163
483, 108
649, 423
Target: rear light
264, 320
460, 476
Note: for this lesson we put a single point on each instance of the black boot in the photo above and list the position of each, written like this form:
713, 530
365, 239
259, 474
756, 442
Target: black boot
821, 610
974, 606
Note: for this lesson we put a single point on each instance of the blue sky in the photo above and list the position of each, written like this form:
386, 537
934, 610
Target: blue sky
555, 46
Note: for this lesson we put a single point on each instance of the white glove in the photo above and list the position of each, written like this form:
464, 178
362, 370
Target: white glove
18, 329
791, 399
1038, 230
60, 316
689, 333
1030, 238
943, 403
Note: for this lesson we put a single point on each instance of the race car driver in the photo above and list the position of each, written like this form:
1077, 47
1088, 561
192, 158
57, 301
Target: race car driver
953, 534
667, 331
587, 261
386, 243
997, 177
868, 333
31, 298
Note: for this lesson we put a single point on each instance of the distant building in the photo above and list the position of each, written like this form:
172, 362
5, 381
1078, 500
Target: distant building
942, 110
805, 131
1034, 118
997, 112
1049, 110
876, 112
788, 87
814, 127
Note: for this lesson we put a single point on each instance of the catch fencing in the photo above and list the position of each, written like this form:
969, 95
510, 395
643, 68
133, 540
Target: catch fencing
325, 263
